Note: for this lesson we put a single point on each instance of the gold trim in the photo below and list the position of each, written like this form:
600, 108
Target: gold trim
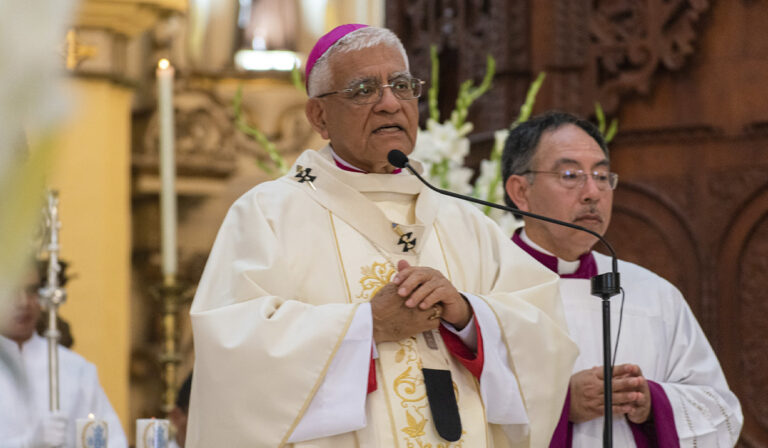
319, 378
341, 260
395, 437
442, 251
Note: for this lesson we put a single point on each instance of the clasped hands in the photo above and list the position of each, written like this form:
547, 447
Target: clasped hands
630, 394
414, 302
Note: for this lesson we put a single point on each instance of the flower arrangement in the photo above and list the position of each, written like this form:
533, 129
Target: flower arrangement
442, 147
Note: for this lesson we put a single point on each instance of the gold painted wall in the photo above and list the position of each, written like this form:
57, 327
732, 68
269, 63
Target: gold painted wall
92, 174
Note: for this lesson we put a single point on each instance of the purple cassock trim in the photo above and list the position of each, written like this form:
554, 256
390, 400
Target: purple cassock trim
661, 432
563, 436
587, 265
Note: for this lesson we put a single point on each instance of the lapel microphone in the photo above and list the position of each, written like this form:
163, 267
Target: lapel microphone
604, 286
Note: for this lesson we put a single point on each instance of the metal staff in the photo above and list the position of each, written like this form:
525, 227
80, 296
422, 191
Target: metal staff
52, 295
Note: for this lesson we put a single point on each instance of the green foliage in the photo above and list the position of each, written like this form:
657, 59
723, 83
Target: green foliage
468, 93
434, 112
498, 148
298, 80
274, 155
612, 128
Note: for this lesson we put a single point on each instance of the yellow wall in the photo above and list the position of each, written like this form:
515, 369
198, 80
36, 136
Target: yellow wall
92, 173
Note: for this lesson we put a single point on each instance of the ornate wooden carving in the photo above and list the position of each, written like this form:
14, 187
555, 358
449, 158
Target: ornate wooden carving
465, 31
630, 40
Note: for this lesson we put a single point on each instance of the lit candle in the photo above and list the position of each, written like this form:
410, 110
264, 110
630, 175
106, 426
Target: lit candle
152, 433
165, 74
91, 433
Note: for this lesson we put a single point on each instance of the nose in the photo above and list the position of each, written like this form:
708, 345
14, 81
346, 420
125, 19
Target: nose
590, 191
388, 102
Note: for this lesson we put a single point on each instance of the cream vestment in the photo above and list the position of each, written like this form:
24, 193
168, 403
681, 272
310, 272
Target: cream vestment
283, 306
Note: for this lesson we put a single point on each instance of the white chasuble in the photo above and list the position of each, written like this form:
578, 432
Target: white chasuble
293, 261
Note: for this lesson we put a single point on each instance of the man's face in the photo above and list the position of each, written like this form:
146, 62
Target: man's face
364, 134
567, 147
20, 324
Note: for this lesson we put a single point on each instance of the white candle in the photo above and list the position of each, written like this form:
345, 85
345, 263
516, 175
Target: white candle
165, 74
91, 433
152, 433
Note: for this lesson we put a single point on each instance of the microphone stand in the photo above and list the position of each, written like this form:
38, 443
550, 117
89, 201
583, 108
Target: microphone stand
604, 286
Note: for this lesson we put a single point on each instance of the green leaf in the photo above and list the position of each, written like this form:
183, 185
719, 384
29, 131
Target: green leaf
612, 130
434, 111
274, 155
600, 115
298, 80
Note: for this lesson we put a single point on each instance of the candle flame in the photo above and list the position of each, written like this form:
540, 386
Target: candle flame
163, 64
91, 416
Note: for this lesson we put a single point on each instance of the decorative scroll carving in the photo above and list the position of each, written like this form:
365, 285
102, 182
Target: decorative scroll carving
465, 31
630, 40
204, 137
754, 308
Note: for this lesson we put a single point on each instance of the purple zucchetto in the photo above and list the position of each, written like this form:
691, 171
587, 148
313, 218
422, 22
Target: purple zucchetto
326, 42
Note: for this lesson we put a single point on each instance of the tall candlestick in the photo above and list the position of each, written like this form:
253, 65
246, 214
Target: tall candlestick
165, 73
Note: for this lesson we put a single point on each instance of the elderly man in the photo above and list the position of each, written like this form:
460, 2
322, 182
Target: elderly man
25, 419
346, 305
668, 387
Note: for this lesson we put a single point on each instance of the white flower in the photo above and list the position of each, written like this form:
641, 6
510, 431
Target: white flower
458, 179
488, 171
442, 141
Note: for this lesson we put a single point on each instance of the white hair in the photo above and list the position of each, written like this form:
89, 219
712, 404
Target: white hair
320, 77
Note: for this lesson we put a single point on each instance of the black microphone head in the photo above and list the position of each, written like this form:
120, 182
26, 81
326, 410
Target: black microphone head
397, 158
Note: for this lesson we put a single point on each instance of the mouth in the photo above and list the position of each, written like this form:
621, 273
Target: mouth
388, 129
589, 218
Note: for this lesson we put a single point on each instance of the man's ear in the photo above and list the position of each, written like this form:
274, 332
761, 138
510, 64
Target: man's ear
517, 188
315, 111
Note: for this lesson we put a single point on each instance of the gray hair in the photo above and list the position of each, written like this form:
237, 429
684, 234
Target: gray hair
320, 77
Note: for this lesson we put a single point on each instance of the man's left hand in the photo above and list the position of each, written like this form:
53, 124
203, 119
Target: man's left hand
631, 395
425, 287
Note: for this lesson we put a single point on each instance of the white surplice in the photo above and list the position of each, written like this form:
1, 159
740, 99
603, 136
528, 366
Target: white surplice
282, 305
24, 393
660, 334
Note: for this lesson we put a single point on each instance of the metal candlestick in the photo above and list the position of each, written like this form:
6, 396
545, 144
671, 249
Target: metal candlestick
52, 295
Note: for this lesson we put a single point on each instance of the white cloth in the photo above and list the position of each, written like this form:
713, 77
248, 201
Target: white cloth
25, 393
278, 299
660, 334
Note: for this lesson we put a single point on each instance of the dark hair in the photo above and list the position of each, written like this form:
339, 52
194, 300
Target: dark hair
523, 141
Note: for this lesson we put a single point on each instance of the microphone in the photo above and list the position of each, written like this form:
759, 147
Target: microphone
604, 286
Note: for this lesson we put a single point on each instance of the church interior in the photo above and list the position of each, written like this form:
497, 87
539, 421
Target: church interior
683, 81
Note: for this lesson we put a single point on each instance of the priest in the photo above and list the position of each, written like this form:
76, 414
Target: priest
346, 305
668, 387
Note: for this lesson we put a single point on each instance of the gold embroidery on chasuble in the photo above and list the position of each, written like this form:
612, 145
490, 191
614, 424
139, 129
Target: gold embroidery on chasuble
374, 278
401, 389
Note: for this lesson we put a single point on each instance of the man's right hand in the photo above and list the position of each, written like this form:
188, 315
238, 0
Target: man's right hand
51, 431
393, 321
586, 395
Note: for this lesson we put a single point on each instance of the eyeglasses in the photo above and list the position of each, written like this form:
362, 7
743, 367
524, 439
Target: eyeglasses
577, 178
369, 91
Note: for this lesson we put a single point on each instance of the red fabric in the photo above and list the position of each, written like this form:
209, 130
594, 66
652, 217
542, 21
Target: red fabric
473, 362
372, 374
